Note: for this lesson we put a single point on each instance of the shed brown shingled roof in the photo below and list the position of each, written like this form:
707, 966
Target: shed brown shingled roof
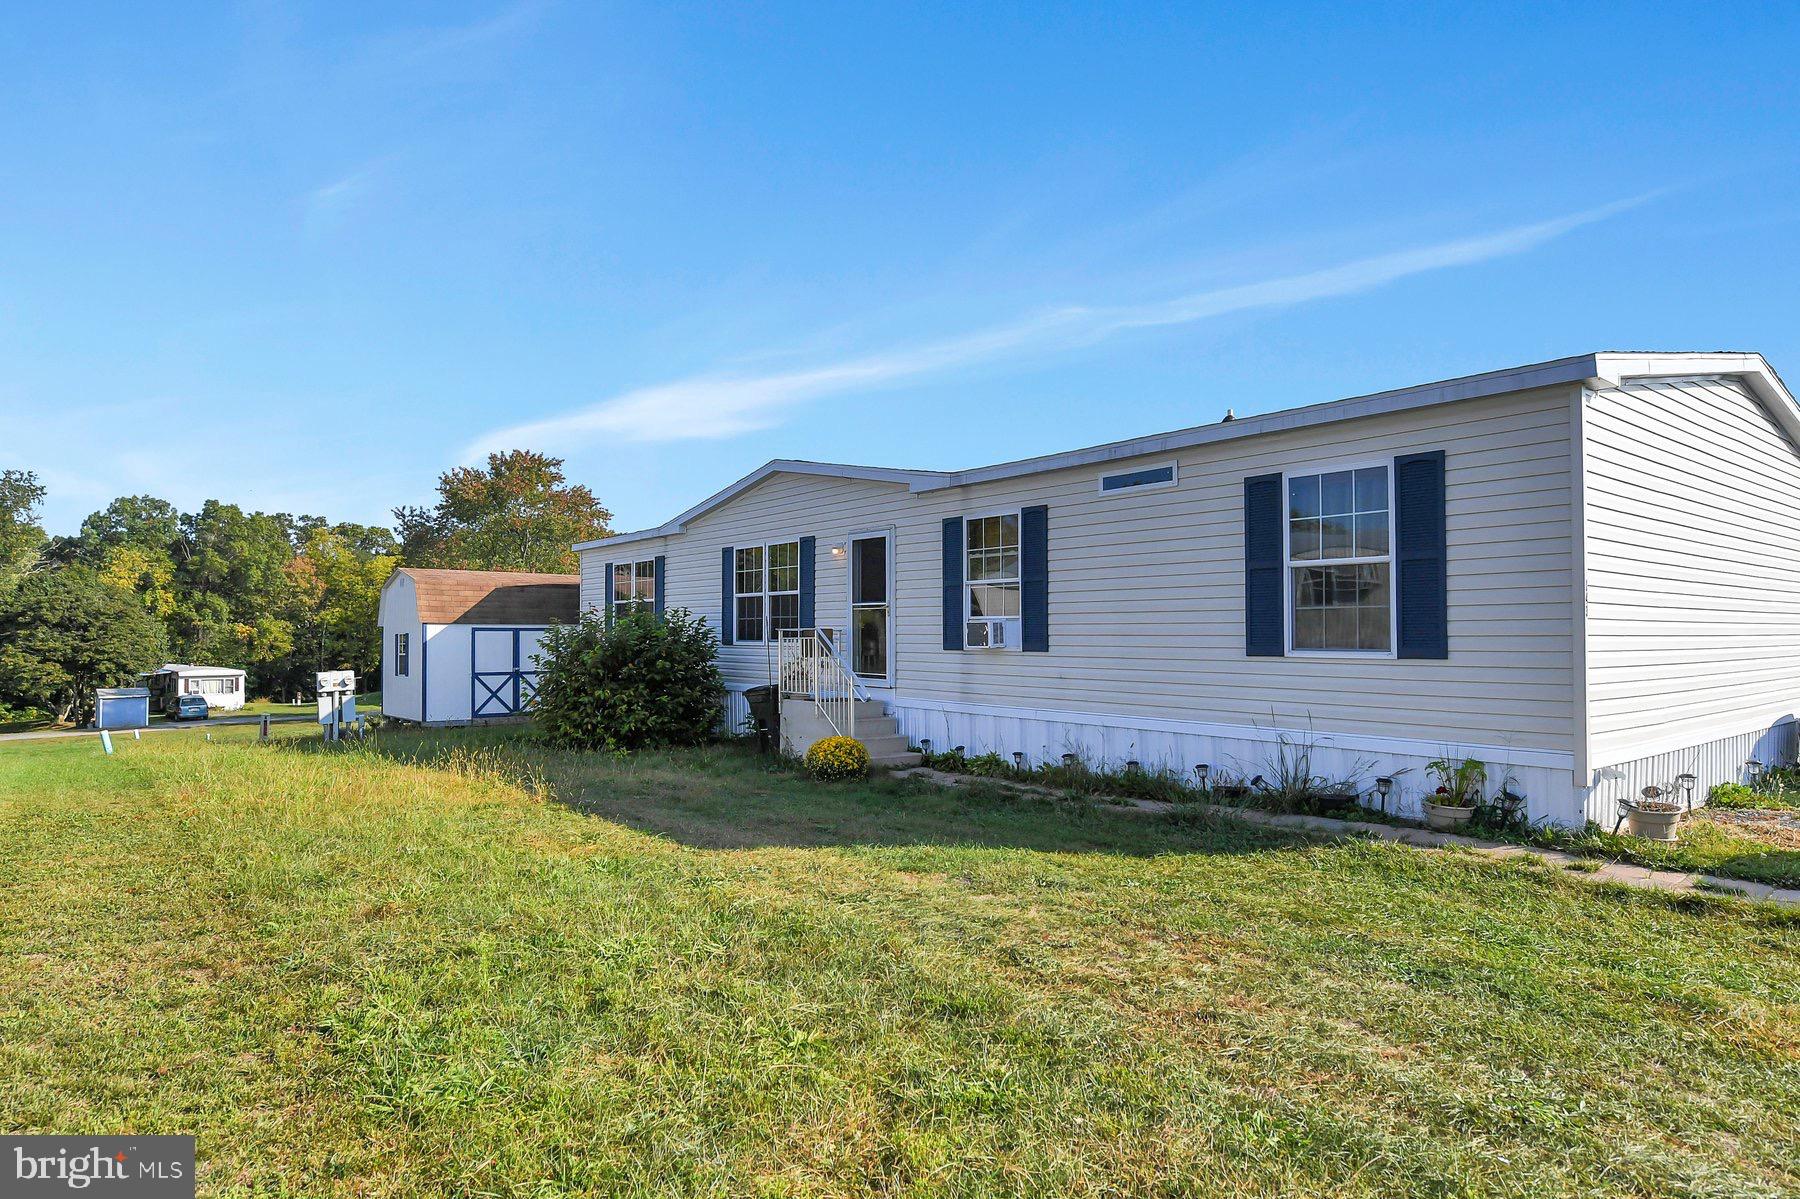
494, 596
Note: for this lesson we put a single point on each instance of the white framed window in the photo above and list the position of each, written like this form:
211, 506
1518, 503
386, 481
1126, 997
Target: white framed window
1340, 561
634, 587
402, 654
768, 590
991, 581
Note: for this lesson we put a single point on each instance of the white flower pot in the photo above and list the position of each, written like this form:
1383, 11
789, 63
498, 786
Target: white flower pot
1653, 825
1445, 817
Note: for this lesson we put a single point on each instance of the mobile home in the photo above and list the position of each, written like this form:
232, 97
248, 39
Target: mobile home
222, 686
1582, 572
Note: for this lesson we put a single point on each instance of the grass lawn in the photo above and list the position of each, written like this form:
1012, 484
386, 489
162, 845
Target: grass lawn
1709, 842
451, 964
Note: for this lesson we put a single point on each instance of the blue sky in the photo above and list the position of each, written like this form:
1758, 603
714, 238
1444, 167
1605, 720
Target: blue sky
305, 257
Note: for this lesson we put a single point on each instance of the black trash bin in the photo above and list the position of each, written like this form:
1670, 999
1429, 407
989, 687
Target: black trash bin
765, 711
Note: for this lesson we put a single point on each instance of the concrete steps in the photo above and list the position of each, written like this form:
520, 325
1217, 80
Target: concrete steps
879, 732
880, 735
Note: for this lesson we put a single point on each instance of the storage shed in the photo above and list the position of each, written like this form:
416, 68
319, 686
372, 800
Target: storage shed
121, 707
459, 646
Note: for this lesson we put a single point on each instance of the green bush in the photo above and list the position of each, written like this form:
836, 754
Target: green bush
636, 682
1777, 791
990, 765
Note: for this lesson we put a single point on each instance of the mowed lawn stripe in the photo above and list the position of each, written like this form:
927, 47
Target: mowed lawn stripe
453, 963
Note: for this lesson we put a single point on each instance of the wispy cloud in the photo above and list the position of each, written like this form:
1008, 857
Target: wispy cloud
422, 45
722, 405
325, 207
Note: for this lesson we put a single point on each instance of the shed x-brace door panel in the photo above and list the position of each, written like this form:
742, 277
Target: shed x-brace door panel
502, 683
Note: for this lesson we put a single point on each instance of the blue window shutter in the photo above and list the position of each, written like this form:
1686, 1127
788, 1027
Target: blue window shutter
1264, 595
953, 582
607, 597
1034, 579
727, 595
659, 584
807, 547
1420, 555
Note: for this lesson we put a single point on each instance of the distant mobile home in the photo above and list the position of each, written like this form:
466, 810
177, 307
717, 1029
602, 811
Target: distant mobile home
459, 645
1583, 572
222, 686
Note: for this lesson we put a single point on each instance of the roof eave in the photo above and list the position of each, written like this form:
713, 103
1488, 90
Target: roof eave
1617, 369
790, 466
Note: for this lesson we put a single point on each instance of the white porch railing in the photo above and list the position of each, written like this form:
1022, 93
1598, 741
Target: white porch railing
808, 666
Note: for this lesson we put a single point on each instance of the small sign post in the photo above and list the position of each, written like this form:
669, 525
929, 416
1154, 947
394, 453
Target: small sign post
337, 701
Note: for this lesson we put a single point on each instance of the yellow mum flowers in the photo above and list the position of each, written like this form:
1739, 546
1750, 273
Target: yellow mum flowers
837, 758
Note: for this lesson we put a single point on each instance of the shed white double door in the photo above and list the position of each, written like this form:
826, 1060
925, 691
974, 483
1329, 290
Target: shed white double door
503, 671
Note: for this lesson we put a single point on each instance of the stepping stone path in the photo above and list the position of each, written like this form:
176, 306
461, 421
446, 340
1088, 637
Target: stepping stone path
1575, 865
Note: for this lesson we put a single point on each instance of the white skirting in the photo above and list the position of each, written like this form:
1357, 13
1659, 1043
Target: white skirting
736, 719
1720, 760
1108, 741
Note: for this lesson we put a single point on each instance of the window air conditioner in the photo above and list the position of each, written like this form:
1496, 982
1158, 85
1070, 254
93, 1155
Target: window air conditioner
987, 634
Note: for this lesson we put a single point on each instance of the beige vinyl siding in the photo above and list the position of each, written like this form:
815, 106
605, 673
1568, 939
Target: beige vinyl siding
1146, 588
1692, 497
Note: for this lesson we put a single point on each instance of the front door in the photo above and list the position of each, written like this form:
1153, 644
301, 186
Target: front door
871, 610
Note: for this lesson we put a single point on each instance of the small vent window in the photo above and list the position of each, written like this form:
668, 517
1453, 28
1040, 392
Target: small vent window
1161, 475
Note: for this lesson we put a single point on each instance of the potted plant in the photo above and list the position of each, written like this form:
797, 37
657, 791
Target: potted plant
1458, 791
1654, 816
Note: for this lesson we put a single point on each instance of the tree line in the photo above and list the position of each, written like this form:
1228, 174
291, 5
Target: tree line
278, 595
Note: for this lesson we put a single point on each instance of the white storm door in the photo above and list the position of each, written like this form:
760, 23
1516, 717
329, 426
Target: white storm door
871, 613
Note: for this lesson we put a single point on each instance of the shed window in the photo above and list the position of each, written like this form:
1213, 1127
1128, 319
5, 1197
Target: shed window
991, 581
402, 654
1340, 561
634, 587
768, 590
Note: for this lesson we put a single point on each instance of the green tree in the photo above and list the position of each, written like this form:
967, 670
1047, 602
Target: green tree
517, 514
235, 600
65, 632
21, 537
145, 572
280, 595
340, 584
140, 521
